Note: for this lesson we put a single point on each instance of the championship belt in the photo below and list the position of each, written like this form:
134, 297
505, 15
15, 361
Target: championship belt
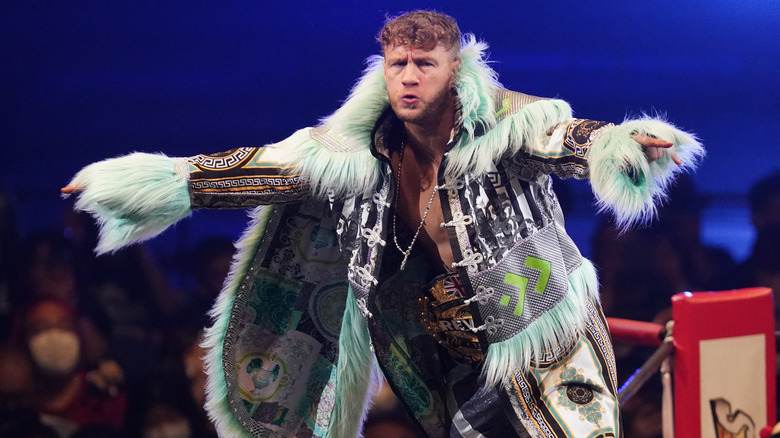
448, 319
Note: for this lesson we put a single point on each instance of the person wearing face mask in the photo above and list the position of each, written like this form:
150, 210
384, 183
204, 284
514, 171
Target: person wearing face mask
64, 394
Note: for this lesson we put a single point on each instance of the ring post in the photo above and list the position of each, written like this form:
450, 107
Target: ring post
724, 371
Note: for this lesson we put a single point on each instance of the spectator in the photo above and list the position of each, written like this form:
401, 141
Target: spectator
762, 267
64, 394
628, 273
132, 292
49, 272
764, 201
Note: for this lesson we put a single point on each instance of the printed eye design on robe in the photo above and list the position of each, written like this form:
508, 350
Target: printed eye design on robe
575, 393
579, 393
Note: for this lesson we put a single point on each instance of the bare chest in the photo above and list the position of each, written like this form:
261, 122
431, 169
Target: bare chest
418, 205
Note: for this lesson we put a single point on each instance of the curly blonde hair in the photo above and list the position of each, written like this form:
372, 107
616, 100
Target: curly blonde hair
421, 29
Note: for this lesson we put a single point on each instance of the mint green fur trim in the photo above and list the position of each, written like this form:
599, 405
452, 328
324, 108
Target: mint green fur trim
133, 198
351, 169
340, 174
476, 83
510, 135
357, 376
615, 156
555, 329
366, 101
217, 404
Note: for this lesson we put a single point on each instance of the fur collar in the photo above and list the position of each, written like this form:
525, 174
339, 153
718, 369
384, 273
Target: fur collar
345, 165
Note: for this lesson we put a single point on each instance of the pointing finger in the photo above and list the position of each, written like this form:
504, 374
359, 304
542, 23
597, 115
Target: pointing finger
72, 188
648, 141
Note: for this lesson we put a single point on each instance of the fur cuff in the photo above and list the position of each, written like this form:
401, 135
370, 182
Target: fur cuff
624, 182
134, 197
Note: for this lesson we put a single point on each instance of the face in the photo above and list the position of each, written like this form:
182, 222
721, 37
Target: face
419, 82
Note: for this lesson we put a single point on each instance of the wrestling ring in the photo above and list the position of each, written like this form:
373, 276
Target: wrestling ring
717, 361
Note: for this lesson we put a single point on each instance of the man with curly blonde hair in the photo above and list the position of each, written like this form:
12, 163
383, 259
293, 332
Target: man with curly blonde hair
415, 229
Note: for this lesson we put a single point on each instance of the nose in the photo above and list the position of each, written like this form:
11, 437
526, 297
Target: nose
409, 74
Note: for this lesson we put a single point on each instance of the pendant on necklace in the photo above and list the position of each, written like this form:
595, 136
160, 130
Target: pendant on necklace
403, 262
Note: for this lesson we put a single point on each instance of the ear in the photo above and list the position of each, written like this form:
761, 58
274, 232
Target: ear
455, 67
453, 77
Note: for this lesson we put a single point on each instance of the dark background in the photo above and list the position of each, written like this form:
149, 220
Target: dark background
85, 80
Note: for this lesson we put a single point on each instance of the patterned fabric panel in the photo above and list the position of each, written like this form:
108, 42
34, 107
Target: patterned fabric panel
507, 206
529, 281
564, 149
281, 346
573, 394
365, 258
505, 210
243, 177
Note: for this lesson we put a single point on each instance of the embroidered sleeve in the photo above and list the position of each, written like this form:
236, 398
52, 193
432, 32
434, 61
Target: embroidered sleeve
243, 177
564, 149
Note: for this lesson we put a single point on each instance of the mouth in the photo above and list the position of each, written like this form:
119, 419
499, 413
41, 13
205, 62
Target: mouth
409, 99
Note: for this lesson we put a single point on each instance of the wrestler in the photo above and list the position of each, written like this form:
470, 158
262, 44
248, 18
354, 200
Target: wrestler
415, 229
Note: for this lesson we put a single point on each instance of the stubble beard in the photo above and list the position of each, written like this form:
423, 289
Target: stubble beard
431, 113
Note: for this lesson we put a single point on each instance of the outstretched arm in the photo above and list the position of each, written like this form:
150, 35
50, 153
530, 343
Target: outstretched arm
629, 165
137, 196
243, 177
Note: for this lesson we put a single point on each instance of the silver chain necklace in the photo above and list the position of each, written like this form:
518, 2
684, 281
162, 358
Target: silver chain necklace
395, 212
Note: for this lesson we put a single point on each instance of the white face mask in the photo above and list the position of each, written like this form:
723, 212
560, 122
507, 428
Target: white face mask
55, 350
175, 429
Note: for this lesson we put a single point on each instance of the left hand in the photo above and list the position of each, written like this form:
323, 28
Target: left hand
653, 148
70, 189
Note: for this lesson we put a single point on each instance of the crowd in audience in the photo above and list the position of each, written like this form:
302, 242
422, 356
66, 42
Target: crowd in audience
107, 347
